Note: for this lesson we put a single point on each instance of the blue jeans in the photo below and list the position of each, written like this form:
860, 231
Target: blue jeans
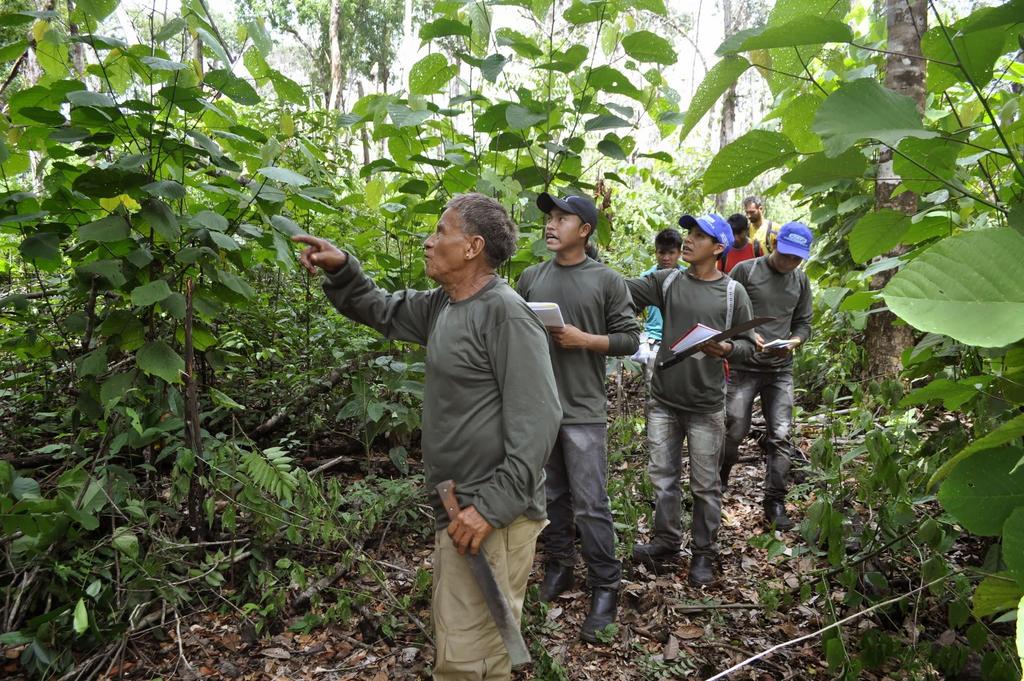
667, 428
577, 498
776, 391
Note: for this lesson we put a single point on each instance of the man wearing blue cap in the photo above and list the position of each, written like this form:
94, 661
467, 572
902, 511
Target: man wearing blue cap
777, 288
599, 321
689, 397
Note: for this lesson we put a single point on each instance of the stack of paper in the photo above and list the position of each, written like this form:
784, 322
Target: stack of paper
778, 343
695, 336
550, 314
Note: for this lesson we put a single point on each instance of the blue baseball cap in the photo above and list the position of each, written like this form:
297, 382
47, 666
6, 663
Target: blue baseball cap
583, 206
713, 225
795, 239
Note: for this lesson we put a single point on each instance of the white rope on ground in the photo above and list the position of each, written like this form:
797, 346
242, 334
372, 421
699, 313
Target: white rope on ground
766, 653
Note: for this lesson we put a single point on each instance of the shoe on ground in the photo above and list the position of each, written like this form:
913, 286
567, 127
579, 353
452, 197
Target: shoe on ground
654, 555
775, 515
702, 571
557, 579
603, 606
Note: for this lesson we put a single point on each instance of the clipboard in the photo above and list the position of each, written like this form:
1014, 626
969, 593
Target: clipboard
724, 335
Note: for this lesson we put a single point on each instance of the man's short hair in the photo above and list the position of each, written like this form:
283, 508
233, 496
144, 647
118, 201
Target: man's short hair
739, 223
668, 239
753, 199
482, 216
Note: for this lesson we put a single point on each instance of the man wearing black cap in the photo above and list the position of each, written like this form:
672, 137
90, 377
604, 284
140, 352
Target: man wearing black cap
689, 397
779, 289
599, 321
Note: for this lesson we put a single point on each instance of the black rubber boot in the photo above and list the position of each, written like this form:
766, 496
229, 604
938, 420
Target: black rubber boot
702, 571
775, 515
654, 555
603, 606
557, 579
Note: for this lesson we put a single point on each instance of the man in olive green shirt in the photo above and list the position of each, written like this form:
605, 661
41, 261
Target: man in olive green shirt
689, 397
599, 321
490, 414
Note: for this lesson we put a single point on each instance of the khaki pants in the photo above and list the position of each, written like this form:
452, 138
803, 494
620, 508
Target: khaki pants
469, 647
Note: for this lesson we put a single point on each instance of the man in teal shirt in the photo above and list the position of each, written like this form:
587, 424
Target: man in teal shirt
668, 248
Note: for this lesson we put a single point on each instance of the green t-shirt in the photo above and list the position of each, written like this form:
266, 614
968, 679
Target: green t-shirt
593, 298
694, 385
490, 406
772, 294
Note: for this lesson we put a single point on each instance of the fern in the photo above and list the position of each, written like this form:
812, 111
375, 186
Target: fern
271, 470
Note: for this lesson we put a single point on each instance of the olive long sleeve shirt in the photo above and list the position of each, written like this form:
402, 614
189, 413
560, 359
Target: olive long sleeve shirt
490, 406
694, 385
594, 299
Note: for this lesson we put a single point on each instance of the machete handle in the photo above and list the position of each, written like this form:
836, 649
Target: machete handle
446, 490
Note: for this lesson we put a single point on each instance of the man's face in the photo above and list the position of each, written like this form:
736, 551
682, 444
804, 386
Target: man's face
668, 258
783, 263
739, 237
700, 247
445, 251
754, 213
564, 231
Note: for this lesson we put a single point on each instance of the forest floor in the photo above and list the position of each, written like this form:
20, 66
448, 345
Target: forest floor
667, 628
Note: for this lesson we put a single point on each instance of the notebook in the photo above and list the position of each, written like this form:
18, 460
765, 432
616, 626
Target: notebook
550, 314
695, 336
778, 343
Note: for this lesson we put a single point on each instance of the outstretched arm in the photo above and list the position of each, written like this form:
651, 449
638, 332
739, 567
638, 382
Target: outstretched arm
403, 315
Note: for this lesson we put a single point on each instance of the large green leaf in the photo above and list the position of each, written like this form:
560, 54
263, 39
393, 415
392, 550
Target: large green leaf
995, 594
805, 30
742, 160
818, 168
585, 12
966, 287
161, 218
443, 27
1007, 432
519, 117
797, 116
975, 52
284, 175
110, 228
157, 358
918, 161
720, 78
863, 110
430, 74
609, 79
151, 293
1013, 545
877, 233
645, 46
981, 492
223, 80
42, 249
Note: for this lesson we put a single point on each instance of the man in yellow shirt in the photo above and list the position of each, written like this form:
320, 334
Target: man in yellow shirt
765, 231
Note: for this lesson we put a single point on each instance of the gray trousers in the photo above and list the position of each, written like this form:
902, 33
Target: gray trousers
667, 428
577, 498
776, 391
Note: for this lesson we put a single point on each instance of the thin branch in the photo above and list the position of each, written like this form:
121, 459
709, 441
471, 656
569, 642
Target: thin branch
906, 55
845, 620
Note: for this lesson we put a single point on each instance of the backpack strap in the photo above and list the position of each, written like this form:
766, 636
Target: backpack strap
730, 302
668, 282
757, 249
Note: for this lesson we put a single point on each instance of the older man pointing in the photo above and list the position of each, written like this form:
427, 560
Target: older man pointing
490, 414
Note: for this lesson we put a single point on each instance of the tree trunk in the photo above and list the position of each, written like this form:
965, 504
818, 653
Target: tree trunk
333, 38
906, 21
363, 135
728, 105
77, 50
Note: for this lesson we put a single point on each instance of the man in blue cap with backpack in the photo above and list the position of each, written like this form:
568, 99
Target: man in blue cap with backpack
688, 398
779, 289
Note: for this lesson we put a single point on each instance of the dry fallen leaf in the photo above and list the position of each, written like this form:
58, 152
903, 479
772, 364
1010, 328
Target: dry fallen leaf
671, 650
688, 632
276, 653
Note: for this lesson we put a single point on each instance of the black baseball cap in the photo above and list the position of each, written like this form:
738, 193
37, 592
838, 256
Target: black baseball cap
583, 206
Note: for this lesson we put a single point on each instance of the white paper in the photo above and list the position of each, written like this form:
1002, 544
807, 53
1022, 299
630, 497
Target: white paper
550, 314
694, 336
778, 343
